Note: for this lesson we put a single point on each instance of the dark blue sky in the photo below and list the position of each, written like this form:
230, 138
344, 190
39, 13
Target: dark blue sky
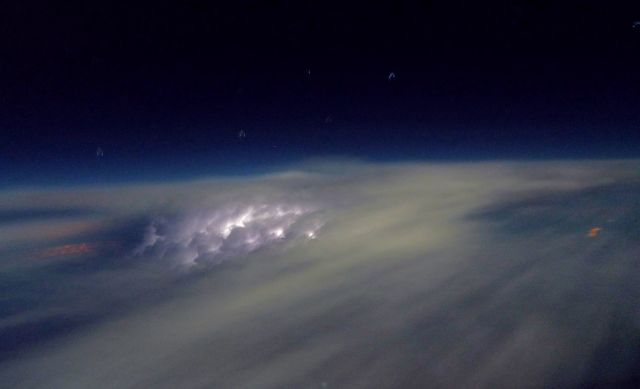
164, 88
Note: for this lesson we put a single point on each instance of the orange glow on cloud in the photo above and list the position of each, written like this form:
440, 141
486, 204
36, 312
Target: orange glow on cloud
73, 249
67, 249
593, 232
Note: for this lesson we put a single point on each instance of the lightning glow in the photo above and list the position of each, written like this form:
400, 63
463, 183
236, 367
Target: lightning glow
215, 235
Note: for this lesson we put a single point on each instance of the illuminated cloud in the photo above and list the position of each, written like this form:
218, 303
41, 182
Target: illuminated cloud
210, 236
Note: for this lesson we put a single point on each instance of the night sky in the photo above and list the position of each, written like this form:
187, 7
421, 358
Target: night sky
173, 90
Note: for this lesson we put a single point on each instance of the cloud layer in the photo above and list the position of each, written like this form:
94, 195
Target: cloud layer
449, 275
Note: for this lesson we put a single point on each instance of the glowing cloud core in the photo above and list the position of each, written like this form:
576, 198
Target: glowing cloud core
214, 235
